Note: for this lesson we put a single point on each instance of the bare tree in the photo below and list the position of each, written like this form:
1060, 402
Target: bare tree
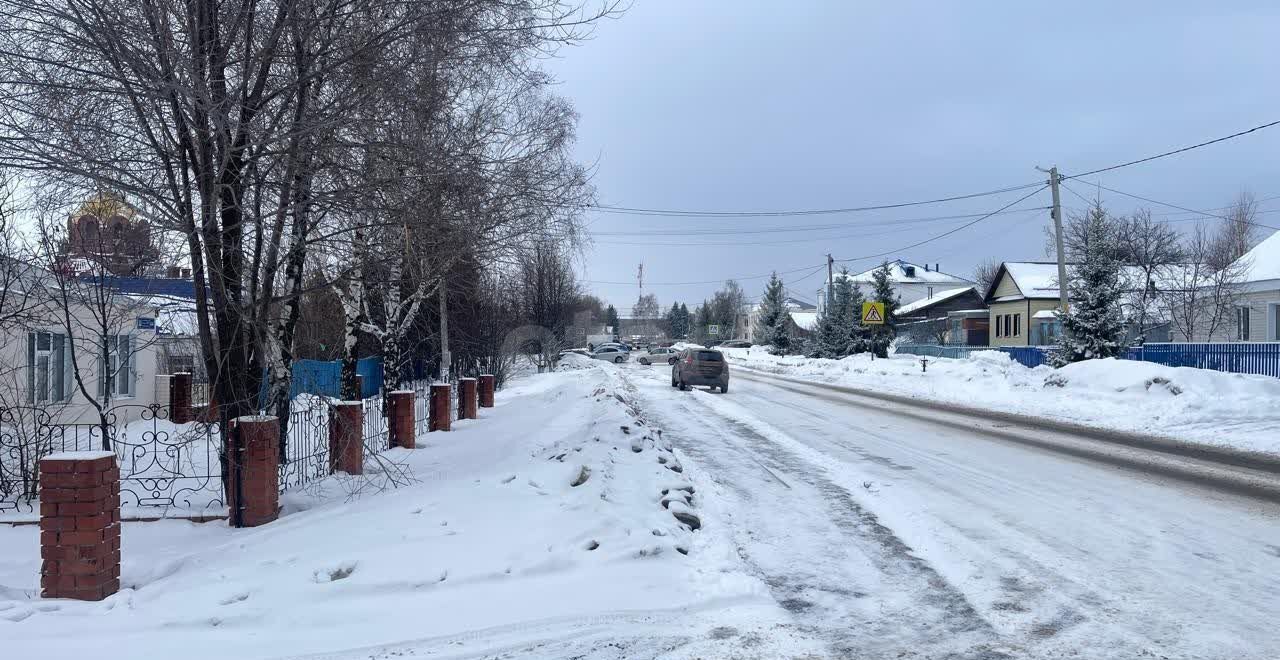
1201, 296
1152, 249
1237, 232
985, 273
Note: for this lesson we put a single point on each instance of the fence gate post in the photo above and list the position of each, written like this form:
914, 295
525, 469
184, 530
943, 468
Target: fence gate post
180, 411
79, 525
253, 471
346, 437
487, 385
402, 419
467, 398
439, 408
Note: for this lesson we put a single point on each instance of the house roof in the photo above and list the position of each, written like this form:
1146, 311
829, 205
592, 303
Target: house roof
805, 320
940, 297
1035, 279
1263, 261
898, 275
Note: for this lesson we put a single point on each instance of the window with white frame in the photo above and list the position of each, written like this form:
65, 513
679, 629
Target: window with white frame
116, 368
1242, 323
48, 367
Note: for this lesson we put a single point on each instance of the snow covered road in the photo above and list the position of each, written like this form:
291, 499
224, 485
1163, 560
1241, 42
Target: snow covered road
883, 534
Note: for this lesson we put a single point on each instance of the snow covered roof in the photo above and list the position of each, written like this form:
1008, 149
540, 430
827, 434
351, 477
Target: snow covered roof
1045, 314
898, 270
941, 296
805, 320
1035, 279
1263, 261
796, 304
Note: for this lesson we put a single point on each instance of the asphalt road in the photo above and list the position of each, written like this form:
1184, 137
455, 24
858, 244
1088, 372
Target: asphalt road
888, 531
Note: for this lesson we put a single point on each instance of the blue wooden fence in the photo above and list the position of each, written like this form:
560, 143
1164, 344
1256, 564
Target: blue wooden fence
325, 378
1242, 358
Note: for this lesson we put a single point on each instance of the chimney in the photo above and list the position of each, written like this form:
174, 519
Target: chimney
926, 268
937, 268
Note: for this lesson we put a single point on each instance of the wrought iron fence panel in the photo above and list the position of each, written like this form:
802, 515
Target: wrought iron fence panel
161, 464
306, 458
375, 425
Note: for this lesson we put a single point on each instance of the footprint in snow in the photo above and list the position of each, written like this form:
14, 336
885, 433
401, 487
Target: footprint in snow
509, 479
236, 598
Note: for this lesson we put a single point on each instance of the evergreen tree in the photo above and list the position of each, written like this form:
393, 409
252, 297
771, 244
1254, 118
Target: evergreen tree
1093, 325
882, 292
773, 323
701, 319
673, 320
611, 320
686, 320
838, 321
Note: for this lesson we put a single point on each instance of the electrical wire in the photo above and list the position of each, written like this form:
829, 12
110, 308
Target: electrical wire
1173, 152
716, 281
1203, 214
630, 210
949, 232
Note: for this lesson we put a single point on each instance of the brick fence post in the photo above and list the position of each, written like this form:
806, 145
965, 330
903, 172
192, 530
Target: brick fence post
360, 386
488, 383
79, 525
180, 399
402, 419
253, 471
467, 398
346, 437
439, 417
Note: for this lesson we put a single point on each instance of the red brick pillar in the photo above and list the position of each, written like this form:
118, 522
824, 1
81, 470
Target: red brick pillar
488, 383
253, 471
180, 399
346, 437
438, 409
402, 419
360, 386
467, 398
79, 525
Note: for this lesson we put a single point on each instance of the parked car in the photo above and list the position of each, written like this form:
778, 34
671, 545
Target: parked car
736, 343
699, 366
667, 355
615, 344
611, 354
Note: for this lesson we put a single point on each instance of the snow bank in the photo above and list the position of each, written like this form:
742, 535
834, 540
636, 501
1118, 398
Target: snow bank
555, 511
1194, 405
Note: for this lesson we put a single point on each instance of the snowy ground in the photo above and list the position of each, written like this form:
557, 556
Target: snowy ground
892, 536
492, 550
829, 526
1193, 405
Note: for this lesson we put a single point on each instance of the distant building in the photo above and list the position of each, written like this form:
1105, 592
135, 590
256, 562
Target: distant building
925, 320
105, 235
911, 282
1256, 300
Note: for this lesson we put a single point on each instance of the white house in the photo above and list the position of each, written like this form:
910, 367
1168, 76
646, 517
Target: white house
911, 282
1256, 299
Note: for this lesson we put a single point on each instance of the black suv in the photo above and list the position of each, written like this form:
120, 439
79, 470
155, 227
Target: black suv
700, 366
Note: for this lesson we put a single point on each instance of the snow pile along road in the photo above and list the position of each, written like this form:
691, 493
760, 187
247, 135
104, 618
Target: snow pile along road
1182, 403
555, 517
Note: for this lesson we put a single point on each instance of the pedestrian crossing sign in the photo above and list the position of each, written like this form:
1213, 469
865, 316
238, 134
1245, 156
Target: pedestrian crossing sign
873, 313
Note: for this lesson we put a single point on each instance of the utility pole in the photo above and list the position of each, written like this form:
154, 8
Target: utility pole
830, 277
445, 358
1054, 180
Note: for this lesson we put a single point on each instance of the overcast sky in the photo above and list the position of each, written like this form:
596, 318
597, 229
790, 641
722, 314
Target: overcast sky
743, 105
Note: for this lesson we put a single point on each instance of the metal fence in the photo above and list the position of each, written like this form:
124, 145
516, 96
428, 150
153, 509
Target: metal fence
1241, 358
162, 464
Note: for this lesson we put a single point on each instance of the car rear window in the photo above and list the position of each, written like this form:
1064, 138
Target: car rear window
710, 356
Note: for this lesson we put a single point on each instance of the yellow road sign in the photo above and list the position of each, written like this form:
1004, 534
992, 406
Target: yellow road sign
873, 313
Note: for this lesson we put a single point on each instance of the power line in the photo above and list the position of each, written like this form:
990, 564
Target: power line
949, 232
730, 231
1204, 214
630, 210
716, 281
1173, 152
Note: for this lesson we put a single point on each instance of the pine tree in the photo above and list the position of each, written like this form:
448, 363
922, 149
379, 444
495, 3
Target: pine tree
701, 320
611, 320
1093, 325
673, 320
858, 338
686, 320
838, 321
882, 292
772, 324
